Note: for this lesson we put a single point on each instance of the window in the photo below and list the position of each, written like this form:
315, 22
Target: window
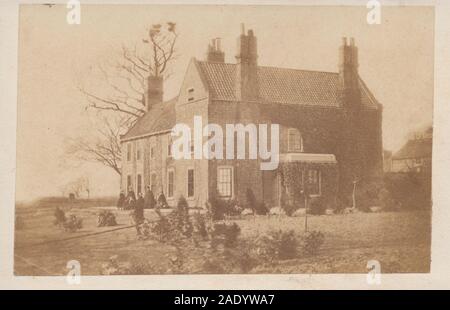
190, 183
314, 182
191, 146
128, 182
152, 152
288, 187
225, 181
190, 94
153, 183
138, 151
128, 151
295, 141
170, 183
169, 147
139, 183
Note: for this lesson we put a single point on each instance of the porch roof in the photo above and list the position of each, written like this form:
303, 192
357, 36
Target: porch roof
308, 158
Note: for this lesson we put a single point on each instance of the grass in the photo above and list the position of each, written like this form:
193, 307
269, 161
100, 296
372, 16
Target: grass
400, 241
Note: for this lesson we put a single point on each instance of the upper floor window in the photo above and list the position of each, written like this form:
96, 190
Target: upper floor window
128, 151
169, 147
190, 94
295, 140
138, 151
152, 152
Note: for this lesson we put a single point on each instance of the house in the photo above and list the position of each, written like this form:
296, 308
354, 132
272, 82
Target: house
329, 129
415, 155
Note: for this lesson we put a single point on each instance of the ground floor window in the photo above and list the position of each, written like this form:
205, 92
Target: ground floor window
128, 182
153, 183
314, 182
139, 184
225, 181
190, 183
170, 183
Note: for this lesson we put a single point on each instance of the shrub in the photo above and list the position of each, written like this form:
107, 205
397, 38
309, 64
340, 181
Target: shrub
277, 244
289, 208
242, 257
160, 228
73, 223
218, 208
60, 217
258, 208
179, 218
106, 218
233, 260
175, 226
200, 227
225, 234
312, 242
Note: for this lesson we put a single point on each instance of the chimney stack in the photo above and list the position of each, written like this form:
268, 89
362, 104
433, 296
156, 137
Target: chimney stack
247, 88
348, 66
215, 53
154, 91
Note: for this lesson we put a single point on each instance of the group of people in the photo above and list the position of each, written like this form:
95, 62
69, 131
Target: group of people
147, 201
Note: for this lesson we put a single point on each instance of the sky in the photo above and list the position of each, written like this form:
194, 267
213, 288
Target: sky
395, 61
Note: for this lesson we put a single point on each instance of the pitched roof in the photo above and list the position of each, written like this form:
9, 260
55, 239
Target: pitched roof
160, 118
415, 148
280, 85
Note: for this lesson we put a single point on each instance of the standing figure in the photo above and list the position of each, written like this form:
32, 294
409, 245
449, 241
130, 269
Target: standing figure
131, 199
149, 199
121, 201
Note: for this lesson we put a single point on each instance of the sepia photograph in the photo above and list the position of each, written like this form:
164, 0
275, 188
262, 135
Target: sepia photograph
223, 139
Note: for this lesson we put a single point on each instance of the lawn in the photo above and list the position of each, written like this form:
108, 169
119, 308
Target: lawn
400, 241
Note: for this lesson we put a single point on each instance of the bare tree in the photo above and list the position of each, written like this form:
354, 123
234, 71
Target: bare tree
102, 146
120, 102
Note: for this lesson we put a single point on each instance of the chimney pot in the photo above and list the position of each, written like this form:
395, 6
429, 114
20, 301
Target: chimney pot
214, 54
218, 44
155, 88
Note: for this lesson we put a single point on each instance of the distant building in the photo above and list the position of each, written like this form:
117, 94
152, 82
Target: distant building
415, 155
329, 122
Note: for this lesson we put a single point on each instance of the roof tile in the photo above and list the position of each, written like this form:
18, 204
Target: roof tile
280, 85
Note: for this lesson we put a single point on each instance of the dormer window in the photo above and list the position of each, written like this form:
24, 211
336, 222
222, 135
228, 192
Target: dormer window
295, 140
190, 94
